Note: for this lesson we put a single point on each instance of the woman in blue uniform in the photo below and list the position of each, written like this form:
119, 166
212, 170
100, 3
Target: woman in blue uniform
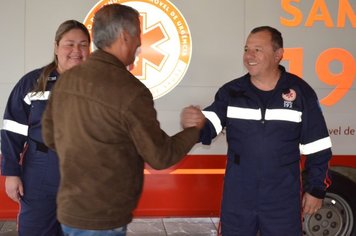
31, 169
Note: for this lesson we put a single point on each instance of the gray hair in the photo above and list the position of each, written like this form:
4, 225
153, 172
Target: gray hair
111, 20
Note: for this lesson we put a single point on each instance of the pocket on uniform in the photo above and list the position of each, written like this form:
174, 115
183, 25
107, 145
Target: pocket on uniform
33, 173
52, 177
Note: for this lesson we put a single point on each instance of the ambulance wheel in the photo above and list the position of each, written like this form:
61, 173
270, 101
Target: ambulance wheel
338, 214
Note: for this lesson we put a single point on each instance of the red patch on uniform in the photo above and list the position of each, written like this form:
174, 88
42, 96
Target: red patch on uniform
289, 96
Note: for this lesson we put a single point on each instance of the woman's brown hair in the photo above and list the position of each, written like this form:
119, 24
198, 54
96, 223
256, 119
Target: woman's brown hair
46, 71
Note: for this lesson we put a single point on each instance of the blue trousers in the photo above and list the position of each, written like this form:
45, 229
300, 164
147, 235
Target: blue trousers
38, 218
266, 201
38, 208
69, 231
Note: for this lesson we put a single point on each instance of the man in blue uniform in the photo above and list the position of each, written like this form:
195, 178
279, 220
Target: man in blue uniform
271, 118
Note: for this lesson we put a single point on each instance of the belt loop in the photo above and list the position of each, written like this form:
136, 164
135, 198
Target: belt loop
41, 147
237, 159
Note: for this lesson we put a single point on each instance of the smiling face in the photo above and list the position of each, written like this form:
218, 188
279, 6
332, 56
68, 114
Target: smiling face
260, 58
72, 49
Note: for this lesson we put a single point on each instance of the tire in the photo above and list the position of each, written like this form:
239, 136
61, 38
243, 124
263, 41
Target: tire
338, 214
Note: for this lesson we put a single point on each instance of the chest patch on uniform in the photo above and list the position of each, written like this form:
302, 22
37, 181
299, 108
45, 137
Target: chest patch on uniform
52, 78
289, 95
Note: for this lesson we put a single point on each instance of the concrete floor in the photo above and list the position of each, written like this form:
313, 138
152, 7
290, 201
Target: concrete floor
151, 227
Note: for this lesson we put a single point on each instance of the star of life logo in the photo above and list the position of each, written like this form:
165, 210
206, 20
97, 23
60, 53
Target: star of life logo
166, 45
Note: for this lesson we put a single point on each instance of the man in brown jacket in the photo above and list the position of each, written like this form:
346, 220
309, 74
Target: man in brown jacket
101, 121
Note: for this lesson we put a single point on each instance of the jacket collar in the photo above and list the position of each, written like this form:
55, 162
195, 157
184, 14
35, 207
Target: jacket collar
106, 57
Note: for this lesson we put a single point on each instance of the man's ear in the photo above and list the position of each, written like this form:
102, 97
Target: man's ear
279, 54
124, 36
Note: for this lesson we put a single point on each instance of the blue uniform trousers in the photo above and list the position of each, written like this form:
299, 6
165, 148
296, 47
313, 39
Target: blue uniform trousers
40, 177
38, 218
268, 202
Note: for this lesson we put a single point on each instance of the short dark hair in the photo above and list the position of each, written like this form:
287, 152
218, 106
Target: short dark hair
277, 40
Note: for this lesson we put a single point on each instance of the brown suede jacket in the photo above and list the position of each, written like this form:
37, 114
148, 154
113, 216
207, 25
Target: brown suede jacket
101, 121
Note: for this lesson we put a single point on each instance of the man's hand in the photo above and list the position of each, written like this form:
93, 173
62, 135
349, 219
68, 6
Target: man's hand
192, 116
311, 204
14, 187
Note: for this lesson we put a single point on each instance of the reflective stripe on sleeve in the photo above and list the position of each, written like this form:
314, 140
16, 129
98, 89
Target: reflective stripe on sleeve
315, 146
283, 114
36, 96
214, 119
244, 113
15, 127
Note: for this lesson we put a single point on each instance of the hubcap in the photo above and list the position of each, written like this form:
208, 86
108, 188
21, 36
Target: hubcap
334, 218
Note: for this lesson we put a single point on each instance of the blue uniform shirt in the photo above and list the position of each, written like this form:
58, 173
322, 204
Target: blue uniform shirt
22, 120
263, 137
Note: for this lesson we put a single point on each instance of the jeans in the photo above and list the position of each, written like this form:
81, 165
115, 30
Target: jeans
69, 231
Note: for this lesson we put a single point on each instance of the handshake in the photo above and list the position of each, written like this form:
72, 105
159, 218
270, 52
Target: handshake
192, 116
